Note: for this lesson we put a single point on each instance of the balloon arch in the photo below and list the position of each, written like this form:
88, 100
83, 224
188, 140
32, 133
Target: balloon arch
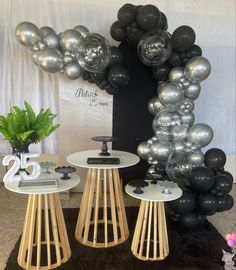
176, 62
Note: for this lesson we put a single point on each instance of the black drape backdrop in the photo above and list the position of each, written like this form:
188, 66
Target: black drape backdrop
132, 122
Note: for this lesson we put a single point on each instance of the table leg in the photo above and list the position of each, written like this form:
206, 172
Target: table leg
30, 252
89, 210
151, 217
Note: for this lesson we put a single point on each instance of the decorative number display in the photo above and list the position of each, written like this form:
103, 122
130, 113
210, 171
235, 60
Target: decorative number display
21, 163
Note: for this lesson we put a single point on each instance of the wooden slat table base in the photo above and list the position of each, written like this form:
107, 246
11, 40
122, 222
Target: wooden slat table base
106, 195
44, 228
150, 240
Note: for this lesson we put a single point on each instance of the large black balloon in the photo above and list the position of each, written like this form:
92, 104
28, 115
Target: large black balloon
183, 38
162, 24
117, 32
116, 56
229, 175
185, 204
207, 204
201, 179
126, 15
118, 76
214, 158
223, 184
191, 221
225, 203
148, 17
161, 72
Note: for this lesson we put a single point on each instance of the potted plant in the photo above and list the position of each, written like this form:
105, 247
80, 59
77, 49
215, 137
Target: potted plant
22, 127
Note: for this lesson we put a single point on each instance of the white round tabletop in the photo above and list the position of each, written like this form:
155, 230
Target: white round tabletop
63, 185
153, 192
80, 159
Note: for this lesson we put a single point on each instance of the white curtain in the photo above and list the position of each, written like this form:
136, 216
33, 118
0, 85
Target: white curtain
20, 79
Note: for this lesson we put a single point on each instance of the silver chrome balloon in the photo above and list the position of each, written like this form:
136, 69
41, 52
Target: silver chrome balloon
176, 74
93, 53
162, 133
35, 58
151, 170
52, 40
197, 69
157, 105
84, 32
179, 133
186, 106
70, 40
144, 150
72, 71
178, 146
166, 118
192, 91
50, 60
68, 59
45, 30
170, 95
42, 44
200, 135
196, 158
27, 34
151, 106
188, 119
184, 82
160, 150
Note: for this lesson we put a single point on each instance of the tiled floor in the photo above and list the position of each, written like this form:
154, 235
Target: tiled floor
12, 212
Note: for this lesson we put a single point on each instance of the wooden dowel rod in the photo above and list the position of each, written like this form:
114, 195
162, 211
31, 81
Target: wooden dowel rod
149, 229
113, 207
143, 229
96, 209
39, 227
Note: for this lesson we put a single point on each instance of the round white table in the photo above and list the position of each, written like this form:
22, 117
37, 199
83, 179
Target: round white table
101, 194
44, 229
146, 245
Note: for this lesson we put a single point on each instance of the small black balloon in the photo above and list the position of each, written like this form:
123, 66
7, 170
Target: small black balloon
191, 221
185, 204
148, 17
175, 59
183, 38
112, 91
162, 24
201, 179
86, 75
117, 32
118, 76
161, 72
207, 204
126, 15
223, 184
225, 203
116, 56
214, 158
194, 51
99, 76
160, 169
134, 34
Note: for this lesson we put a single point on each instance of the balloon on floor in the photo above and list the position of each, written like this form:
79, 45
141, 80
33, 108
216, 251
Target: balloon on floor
175, 150
75, 52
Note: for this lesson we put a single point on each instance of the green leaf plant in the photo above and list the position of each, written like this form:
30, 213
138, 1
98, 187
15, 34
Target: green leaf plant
22, 127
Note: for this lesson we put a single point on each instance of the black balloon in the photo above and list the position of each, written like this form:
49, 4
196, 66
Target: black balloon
229, 175
185, 204
183, 38
175, 59
225, 203
99, 76
86, 75
223, 184
162, 24
148, 17
126, 15
112, 91
214, 158
160, 168
207, 204
134, 34
117, 32
116, 56
161, 72
201, 179
118, 76
194, 51
191, 221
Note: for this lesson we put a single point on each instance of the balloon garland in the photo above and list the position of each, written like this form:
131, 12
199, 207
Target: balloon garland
75, 52
174, 152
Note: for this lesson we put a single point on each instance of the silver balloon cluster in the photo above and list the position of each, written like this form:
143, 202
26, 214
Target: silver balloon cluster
177, 141
68, 52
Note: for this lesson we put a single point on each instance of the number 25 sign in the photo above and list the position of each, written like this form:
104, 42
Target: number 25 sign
21, 163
